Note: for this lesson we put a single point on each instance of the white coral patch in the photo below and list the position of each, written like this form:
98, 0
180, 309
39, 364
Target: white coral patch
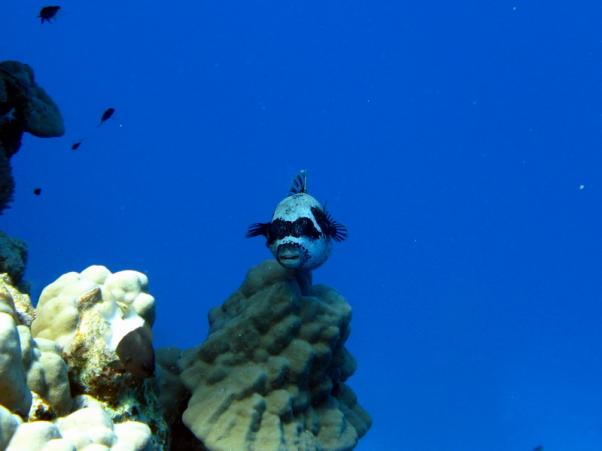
121, 326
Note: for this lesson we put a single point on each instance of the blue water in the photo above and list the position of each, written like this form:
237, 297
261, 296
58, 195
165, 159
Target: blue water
460, 142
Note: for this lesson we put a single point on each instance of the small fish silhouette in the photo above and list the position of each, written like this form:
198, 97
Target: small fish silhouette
37, 191
76, 145
106, 115
48, 12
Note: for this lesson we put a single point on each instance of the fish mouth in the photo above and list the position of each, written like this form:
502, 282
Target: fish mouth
290, 255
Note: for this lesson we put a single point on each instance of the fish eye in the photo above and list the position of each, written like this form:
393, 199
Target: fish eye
277, 229
305, 227
299, 227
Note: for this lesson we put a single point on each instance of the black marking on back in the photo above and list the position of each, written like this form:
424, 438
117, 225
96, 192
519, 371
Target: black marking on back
329, 226
299, 183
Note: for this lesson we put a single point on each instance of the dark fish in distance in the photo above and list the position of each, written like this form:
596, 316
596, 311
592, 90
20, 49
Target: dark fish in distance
106, 115
48, 12
538, 448
76, 145
37, 191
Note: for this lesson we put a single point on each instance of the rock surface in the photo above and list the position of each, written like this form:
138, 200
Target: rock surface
271, 375
24, 107
13, 256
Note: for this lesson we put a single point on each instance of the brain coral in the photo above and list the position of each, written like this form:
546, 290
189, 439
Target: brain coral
271, 374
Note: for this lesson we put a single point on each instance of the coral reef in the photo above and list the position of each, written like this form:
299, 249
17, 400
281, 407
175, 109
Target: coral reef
13, 256
174, 396
62, 385
7, 183
271, 373
78, 372
24, 107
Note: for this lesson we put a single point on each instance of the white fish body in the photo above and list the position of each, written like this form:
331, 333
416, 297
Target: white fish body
301, 232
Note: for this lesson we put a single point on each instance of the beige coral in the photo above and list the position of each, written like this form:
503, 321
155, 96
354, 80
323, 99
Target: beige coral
9, 423
88, 428
34, 373
271, 374
47, 372
87, 314
14, 392
93, 310
15, 302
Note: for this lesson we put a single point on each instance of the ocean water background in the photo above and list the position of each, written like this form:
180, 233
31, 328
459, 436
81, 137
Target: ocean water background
460, 142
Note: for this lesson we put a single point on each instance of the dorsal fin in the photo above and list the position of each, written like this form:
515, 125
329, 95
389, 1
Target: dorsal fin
299, 183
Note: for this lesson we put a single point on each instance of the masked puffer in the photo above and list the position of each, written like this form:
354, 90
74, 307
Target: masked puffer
301, 232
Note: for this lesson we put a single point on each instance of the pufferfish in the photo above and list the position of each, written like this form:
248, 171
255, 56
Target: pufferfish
301, 232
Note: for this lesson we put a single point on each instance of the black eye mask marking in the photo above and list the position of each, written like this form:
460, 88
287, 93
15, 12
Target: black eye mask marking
329, 226
301, 227
280, 228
